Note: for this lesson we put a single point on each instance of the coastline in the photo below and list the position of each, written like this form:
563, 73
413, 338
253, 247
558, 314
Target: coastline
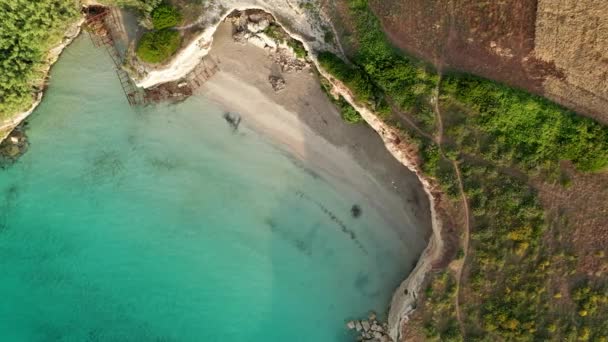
190, 56
404, 298
53, 55
403, 302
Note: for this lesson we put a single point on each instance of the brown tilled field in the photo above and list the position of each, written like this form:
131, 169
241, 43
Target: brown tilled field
555, 48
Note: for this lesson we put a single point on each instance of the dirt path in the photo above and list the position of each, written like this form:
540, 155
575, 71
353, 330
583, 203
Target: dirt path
465, 247
467, 227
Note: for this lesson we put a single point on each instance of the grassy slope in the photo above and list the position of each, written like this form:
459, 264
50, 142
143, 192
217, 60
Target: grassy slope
501, 139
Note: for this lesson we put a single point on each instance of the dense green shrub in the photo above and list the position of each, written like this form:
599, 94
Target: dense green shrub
403, 79
144, 6
158, 46
347, 112
298, 48
28, 29
356, 79
165, 16
527, 129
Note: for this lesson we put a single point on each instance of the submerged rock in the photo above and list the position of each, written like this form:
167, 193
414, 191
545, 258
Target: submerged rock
355, 210
14, 146
233, 119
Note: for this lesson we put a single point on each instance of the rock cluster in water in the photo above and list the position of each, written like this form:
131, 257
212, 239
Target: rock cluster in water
14, 146
370, 329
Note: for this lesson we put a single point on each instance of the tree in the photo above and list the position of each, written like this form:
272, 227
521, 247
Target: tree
157, 46
28, 29
165, 16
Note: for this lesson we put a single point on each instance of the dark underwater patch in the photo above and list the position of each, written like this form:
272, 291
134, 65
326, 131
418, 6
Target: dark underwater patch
7, 205
343, 228
304, 246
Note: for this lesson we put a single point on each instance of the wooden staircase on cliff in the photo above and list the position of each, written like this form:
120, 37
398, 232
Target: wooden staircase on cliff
98, 23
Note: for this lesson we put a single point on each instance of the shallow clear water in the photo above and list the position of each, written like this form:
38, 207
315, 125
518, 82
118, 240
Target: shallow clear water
161, 224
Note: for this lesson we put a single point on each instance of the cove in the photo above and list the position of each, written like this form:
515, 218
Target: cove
161, 223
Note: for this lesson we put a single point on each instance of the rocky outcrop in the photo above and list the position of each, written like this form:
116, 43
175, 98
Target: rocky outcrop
250, 27
310, 31
370, 329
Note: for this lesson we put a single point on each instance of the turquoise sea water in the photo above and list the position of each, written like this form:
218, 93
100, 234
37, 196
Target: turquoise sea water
161, 224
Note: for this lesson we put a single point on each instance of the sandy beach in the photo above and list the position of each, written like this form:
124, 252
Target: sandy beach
303, 121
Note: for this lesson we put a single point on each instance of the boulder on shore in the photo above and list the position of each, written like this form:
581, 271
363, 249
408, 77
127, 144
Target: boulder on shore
259, 26
277, 82
358, 326
366, 326
350, 325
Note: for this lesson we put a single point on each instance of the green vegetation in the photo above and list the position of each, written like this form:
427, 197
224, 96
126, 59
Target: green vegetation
157, 46
356, 79
347, 112
439, 297
297, 47
29, 30
522, 128
277, 33
499, 138
144, 6
165, 16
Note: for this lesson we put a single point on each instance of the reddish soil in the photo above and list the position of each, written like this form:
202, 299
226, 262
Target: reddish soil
488, 38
